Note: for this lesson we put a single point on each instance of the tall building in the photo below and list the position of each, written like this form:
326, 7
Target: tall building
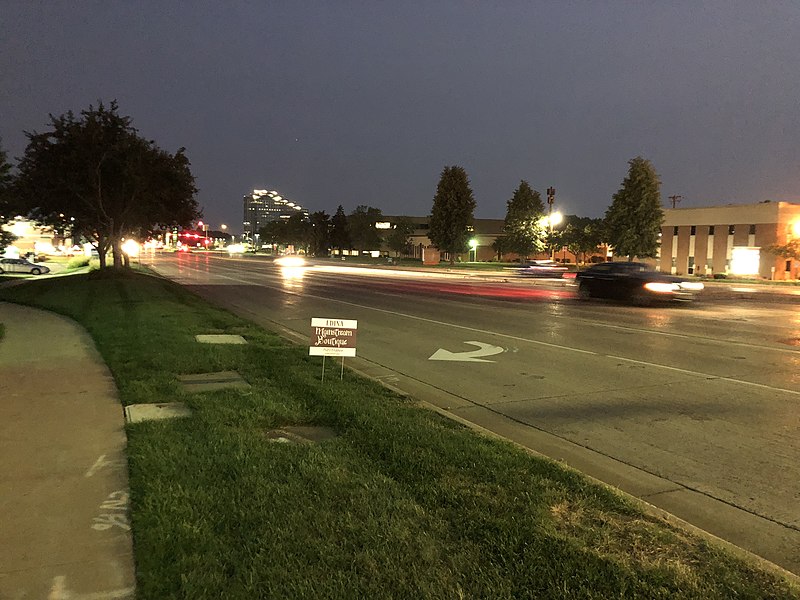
263, 206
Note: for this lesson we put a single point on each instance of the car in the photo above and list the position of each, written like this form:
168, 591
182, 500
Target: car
290, 260
20, 265
634, 282
543, 268
184, 248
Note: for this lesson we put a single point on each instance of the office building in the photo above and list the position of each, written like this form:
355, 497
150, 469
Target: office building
263, 206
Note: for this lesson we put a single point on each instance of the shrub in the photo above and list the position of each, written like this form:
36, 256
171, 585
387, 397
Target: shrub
76, 262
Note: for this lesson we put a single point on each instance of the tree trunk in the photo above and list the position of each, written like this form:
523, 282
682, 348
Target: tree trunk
102, 246
117, 253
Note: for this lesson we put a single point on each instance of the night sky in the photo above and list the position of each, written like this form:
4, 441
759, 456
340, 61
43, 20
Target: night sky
352, 103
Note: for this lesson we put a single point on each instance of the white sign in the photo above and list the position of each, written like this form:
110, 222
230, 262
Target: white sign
333, 337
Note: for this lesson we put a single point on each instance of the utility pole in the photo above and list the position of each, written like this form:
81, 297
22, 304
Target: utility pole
551, 196
675, 200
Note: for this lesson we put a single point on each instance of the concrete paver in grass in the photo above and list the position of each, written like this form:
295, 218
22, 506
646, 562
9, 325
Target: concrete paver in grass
137, 413
210, 382
220, 338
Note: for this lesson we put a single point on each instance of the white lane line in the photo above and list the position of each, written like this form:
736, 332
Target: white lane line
685, 336
706, 375
527, 340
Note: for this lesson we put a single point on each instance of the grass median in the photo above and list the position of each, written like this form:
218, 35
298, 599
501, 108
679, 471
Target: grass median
401, 503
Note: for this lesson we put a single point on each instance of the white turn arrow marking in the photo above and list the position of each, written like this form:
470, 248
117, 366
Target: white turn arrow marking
471, 356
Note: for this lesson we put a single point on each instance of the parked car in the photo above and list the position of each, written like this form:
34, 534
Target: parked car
20, 265
543, 268
633, 282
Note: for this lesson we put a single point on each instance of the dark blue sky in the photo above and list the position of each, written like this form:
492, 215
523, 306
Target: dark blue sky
365, 102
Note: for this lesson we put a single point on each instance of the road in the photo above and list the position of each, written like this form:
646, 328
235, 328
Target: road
694, 409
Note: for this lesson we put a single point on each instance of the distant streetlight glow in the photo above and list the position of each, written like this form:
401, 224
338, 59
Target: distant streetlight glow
131, 248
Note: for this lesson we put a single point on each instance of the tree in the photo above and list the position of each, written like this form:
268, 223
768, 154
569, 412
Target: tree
633, 221
114, 184
274, 233
790, 250
6, 209
361, 223
320, 233
340, 231
298, 232
452, 212
525, 232
500, 246
581, 235
399, 240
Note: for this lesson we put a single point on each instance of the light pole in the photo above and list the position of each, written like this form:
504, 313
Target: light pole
551, 196
204, 229
473, 254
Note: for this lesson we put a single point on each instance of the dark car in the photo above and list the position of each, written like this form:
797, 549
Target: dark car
633, 282
20, 265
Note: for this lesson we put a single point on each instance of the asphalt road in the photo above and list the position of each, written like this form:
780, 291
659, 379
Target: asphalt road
695, 409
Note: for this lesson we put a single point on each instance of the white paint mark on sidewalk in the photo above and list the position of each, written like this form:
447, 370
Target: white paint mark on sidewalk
116, 501
59, 591
102, 463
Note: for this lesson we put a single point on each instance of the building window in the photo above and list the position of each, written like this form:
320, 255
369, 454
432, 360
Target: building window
693, 230
788, 266
731, 229
675, 230
710, 230
752, 229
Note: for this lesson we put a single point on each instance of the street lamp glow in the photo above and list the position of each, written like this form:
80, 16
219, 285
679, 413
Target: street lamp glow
556, 218
473, 243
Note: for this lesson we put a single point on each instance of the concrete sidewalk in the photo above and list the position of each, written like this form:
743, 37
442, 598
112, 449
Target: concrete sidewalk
64, 530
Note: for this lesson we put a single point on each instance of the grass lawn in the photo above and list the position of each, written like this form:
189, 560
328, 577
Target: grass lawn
402, 503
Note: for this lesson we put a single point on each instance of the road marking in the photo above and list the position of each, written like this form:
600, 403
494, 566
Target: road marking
707, 375
514, 337
470, 356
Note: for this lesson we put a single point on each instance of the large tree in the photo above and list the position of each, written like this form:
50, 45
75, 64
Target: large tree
525, 231
361, 223
298, 232
399, 239
274, 233
340, 231
452, 212
581, 235
320, 233
633, 221
6, 209
96, 169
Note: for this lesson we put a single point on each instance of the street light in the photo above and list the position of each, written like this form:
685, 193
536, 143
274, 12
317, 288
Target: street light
551, 196
473, 244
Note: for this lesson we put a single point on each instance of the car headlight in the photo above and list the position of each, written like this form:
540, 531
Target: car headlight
692, 286
660, 287
290, 261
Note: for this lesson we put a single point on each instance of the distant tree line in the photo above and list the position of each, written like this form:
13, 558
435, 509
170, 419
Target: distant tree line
95, 173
